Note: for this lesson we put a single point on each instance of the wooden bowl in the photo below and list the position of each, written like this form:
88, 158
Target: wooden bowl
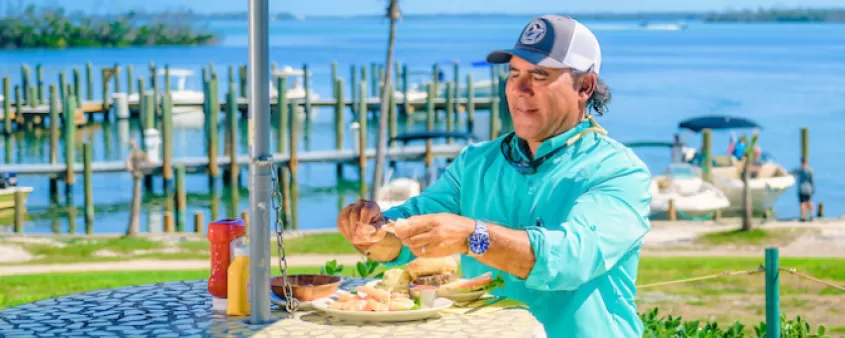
306, 288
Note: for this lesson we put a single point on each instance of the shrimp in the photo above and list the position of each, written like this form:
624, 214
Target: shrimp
338, 305
401, 304
373, 305
379, 295
355, 305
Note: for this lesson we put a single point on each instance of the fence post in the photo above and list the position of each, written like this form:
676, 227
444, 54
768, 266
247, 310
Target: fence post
772, 293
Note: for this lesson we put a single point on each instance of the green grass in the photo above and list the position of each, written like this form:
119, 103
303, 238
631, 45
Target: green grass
79, 250
15, 290
757, 237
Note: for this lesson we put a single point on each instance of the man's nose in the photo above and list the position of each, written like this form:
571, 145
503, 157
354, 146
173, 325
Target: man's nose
522, 86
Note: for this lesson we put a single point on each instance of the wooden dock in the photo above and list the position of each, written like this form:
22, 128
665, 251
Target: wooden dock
200, 164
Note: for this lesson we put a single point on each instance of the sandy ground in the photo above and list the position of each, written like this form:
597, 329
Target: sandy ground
665, 239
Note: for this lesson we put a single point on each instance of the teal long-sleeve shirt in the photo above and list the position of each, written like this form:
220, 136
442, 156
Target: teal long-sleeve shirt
585, 212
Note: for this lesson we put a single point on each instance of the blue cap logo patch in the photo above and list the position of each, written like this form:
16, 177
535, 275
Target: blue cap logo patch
534, 32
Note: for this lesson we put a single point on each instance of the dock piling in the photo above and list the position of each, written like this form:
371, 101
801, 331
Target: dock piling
54, 137
362, 140
198, 223
470, 104
212, 117
338, 121
7, 107
25, 75
130, 72
39, 78
293, 167
706, 136
282, 114
89, 81
87, 158
233, 173
429, 124
306, 73
450, 108
77, 90
167, 141
20, 211
181, 199
70, 144
805, 143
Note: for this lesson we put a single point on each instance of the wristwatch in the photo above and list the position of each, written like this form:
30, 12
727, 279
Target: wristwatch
479, 241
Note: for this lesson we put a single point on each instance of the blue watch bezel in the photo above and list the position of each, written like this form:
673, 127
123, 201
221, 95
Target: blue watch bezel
479, 241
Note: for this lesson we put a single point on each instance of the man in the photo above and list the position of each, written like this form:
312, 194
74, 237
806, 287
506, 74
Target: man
806, 187
556, 207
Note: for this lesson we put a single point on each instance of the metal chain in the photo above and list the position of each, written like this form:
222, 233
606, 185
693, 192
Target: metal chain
291, 303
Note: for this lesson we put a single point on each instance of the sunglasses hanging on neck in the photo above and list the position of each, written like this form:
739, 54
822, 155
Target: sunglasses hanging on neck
531, 167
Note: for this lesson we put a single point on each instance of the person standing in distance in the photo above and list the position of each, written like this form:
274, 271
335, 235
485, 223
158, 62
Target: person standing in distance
557, 207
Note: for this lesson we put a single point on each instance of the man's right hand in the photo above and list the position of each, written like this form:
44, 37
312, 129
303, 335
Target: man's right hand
361, 223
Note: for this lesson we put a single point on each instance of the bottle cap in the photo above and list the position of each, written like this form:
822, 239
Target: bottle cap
242, 250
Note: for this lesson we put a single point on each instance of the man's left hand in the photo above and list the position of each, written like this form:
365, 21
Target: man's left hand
436, 235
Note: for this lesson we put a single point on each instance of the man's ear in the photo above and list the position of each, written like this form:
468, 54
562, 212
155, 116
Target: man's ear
587, 85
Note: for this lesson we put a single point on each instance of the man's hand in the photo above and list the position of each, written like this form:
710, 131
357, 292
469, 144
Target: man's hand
436, 235
355, 221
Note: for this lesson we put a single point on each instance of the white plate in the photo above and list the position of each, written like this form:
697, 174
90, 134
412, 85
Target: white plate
382, 316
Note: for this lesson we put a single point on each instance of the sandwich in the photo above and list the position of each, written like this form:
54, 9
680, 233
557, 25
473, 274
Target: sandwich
483, 282
433, 271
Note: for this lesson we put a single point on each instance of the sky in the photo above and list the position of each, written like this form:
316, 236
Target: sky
357, 7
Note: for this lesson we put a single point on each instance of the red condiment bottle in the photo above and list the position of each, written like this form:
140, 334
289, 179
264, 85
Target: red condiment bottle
221, 235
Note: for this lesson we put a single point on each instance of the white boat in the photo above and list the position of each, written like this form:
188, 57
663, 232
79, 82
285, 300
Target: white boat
767, 185
692, 196
296, 91
396, 192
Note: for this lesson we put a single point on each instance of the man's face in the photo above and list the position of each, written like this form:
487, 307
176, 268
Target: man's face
543, 101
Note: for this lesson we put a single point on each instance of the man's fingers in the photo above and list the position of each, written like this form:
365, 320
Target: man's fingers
370, 213
415, 225
426, 238
430, 250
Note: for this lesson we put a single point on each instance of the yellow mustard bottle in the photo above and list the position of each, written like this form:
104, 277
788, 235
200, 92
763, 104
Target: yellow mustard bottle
237, 280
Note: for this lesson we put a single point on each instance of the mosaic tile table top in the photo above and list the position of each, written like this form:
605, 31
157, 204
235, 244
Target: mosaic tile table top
183, 309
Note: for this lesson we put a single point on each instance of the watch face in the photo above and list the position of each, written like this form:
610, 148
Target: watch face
479, 243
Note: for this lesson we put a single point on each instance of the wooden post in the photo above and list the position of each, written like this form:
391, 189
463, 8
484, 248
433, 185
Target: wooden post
334, 75
406, 104
105, 90
89, 81
435, 78
168, 222
429, 124
306, 74
166, 79
213, 115
505, 122
181, 199
375, 79
245, 217
820, 213
20, 211
77, 87
362, 141
32, 94
7, 107
54, 137
293, 165
167, 141
805, 143
338, 122
284, 173
63, 88
70, 141
39, 78
470, 103
450, 108
364, 79
673, 213
353, 87
19, 116
243, 79
25, 74
232, 132
129, 80
198, 224
392, 123
494, 116
87, 158
283, 114
706, 164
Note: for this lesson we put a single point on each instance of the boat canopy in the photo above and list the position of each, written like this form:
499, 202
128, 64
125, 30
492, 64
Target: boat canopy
717, 122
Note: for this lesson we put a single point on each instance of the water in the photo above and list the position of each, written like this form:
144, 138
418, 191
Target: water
784, 76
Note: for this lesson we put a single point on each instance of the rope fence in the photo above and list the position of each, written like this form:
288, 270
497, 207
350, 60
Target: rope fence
772, 271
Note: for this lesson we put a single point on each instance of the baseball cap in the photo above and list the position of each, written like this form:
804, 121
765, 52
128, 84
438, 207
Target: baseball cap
554, 41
